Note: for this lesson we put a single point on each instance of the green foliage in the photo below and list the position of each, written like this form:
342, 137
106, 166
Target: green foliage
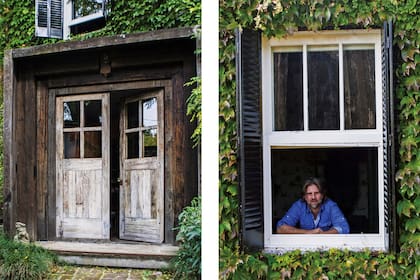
187, 263
280, 18
19, 261
194, 108
130, 16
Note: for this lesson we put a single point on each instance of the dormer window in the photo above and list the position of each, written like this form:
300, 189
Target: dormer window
62, 18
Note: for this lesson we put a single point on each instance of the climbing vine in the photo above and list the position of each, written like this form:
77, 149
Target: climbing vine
279, 18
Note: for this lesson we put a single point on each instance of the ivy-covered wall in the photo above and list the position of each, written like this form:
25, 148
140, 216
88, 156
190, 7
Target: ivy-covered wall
278, 18
17, 30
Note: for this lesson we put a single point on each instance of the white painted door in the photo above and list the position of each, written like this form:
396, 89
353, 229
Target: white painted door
82, 166
142, 149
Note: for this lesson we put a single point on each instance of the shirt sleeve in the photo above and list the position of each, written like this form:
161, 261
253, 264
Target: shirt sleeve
339, 222
292, 216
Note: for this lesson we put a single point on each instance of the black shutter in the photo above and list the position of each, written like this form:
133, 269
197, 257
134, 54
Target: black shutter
388, 136
49, 18
248, 68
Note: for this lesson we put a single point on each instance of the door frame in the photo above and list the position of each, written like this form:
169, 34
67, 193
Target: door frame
113, 88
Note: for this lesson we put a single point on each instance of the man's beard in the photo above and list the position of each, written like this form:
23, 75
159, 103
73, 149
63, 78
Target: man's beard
314, 205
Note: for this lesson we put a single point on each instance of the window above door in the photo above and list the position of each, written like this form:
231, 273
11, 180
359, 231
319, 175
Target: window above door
62, 18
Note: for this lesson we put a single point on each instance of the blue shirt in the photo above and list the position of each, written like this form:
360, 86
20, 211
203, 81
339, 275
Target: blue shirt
329, 216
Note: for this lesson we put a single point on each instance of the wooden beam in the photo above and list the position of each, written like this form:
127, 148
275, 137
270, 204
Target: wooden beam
95, 43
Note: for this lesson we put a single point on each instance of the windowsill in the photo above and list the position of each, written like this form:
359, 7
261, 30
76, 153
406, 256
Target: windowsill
281, 243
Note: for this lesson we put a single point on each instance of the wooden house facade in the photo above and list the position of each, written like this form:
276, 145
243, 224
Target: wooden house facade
97, 149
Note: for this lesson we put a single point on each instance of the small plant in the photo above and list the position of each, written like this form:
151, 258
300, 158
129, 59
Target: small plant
187, 263
19, 261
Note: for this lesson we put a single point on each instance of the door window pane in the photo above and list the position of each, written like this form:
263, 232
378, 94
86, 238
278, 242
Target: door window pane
150, 112
359, 88
71, 144
133, 114
150, 143
71, 114
93, 113
83, 8
133, 145
93, 144
288, 91
323, 90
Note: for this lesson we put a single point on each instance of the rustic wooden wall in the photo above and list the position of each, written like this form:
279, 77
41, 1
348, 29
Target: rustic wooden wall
104, 62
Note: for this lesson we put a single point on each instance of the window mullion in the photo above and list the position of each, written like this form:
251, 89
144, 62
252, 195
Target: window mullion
305, 88
82, 129
341, 84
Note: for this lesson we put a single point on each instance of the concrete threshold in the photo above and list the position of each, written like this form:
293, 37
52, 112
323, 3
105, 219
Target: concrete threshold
113, 253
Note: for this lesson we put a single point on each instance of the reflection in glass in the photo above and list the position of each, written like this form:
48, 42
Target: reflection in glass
93, 110
150, 143
93, 144
150, 112
288, 91
359, 88
71, 114
133, 114
83, 8
71, 144
323, 90
133, 145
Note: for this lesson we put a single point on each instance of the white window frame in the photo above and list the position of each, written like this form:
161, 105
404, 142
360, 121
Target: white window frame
68, 20
321, 139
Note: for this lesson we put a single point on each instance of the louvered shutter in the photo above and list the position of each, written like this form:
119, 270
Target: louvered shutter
388, 135
248, 65
49, 18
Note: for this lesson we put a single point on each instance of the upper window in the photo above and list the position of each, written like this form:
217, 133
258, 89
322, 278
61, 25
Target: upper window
322, 117
61, 18
83, 16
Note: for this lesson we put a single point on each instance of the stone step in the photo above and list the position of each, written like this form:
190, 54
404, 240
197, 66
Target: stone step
112, 254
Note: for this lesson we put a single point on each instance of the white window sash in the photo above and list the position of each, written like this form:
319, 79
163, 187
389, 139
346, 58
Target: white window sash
328, 138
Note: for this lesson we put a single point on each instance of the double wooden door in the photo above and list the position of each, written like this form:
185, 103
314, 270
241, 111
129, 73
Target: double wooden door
83, 167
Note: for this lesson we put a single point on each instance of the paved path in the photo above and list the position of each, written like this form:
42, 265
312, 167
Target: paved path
101, 273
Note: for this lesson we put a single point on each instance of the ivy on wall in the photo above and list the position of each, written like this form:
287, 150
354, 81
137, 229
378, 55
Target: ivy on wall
279, 18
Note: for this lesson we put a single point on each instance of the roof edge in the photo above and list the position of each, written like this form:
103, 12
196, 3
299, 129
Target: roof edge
114, 40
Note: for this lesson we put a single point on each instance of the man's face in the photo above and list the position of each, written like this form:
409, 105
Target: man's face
313, 197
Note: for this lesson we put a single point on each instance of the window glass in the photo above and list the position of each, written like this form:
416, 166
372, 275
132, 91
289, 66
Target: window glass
133, 114
83, 8
93, 144
150, 143
150, 112
71, 114
133, 145
93, 113
359, 88
71, 144
349, 174
288, 91
323, 90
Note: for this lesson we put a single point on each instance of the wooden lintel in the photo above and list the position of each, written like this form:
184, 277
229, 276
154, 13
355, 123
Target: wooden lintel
116, 40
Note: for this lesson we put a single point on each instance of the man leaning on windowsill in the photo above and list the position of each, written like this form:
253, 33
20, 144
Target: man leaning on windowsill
313, 214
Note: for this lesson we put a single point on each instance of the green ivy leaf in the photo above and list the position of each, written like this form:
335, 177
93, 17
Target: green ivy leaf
412, 225
404, 207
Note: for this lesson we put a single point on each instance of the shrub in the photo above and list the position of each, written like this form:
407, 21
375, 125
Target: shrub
23, 261
187, 263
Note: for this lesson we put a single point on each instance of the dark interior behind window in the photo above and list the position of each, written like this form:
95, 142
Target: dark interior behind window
349, 174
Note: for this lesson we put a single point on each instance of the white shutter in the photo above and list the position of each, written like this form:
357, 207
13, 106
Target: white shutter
49, 18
